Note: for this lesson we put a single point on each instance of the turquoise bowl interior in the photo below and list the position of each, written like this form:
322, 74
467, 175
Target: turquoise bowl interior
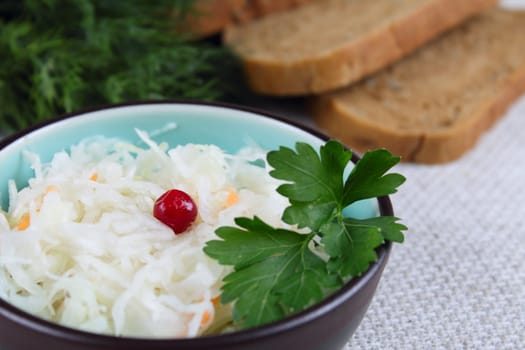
176, 123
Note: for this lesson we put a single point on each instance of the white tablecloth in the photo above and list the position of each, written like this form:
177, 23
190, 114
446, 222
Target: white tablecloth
458, 281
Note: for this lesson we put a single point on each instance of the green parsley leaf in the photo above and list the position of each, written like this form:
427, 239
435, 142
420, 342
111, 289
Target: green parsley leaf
277, 272
388, 226
317, 181
351, 247
368, 179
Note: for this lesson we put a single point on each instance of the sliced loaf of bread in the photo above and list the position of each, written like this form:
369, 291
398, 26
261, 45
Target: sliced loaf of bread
433, 106
212, 16
328, 44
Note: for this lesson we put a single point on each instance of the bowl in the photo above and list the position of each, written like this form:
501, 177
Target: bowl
326, 325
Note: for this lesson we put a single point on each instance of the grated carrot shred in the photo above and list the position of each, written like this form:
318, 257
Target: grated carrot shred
24, 222
51, 188
232, 198
215, 301
94, 177
206, 317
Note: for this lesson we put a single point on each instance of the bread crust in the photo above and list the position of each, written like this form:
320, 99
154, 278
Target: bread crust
358, 58
212, 16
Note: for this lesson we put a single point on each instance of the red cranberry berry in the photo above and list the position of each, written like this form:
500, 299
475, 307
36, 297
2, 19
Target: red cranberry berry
175, 209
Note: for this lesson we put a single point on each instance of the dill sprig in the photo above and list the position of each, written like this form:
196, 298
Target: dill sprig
59, 56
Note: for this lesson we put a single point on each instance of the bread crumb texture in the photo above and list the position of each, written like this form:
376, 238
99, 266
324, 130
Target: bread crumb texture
432, 106
314, 30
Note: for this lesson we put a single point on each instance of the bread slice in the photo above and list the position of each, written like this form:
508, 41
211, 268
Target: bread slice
434, 105
330, 43
211, 16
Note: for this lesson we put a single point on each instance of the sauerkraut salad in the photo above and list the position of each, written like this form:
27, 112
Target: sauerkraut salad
79, 245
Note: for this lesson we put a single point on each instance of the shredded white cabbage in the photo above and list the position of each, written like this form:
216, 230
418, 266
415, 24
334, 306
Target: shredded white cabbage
80, 246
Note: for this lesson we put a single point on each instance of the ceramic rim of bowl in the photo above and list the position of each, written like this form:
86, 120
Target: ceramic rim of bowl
313, 312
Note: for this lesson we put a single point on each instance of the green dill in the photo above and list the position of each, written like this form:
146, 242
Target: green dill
60, 56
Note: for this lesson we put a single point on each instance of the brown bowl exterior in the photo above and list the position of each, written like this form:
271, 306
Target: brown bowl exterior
325, 326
